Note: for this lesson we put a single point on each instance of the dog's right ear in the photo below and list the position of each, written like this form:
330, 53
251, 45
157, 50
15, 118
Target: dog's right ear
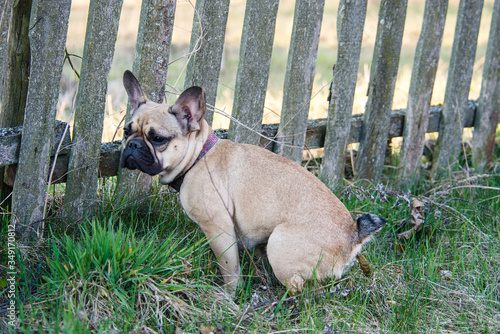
135, 93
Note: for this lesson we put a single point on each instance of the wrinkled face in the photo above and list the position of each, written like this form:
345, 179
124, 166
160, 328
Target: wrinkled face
154, 140
156, 136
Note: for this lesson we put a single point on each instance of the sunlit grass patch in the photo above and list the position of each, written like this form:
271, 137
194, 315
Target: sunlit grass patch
107, 275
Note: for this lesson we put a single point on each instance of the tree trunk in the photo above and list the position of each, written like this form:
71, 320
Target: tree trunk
350, 23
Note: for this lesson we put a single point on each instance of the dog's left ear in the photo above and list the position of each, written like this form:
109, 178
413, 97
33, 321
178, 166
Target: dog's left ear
135, 93
190, 108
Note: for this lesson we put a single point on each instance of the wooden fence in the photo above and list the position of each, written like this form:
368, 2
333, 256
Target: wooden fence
41, 33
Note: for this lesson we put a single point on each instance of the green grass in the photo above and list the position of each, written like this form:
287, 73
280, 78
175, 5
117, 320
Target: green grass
149, 269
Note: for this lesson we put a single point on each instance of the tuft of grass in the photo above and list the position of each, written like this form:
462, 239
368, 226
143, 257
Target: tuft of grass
108, 278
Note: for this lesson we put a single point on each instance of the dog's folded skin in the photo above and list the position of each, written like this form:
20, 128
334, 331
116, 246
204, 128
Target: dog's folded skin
244, 193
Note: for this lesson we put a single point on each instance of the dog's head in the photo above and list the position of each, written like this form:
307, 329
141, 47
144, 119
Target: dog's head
157, 136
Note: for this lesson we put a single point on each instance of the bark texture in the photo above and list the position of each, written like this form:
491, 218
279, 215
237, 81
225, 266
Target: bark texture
207, 45
15, 74
151, 60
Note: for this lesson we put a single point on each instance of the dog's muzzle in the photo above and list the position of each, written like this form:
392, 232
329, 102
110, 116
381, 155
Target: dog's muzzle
137, 155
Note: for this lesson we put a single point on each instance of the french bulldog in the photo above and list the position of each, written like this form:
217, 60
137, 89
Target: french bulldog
242, 195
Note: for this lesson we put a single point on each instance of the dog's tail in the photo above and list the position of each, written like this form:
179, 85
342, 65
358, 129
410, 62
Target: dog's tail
368, 225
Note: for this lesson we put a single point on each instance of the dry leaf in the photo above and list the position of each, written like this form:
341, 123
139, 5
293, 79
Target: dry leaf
416, 219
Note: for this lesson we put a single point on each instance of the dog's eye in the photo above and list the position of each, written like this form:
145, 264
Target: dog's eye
127, 131
159, 140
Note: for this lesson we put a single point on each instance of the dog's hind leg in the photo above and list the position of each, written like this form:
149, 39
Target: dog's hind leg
297, 257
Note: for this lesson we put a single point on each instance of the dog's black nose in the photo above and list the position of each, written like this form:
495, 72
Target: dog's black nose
134, 144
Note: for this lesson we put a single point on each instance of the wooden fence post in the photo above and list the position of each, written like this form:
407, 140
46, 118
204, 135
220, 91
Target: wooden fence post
49, 26
457, 87
299, 78
5, 14
488, 109
253, 69
207, 44
383, 74
152, 54
100, 38
350, 23
421, 85
15, 77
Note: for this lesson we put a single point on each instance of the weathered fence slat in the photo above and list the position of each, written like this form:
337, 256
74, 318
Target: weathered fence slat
421, 85
152, 54
207, 44
253, 69
457, 86
5, 12
350, 23
383, 74
15, 80
299, 77
100, 38
49, 25
483, 140
15, 77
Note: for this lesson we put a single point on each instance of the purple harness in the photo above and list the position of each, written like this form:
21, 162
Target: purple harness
209, 144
